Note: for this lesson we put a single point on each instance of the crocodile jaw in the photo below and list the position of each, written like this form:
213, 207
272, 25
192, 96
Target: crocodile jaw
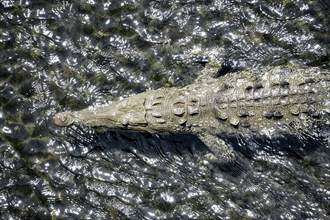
128, 113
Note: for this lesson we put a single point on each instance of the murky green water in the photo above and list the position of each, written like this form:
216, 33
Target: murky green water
66, 55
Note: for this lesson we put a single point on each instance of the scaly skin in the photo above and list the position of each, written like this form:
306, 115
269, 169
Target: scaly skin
246, 102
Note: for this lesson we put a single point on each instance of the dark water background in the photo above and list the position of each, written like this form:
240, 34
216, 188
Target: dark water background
67, 55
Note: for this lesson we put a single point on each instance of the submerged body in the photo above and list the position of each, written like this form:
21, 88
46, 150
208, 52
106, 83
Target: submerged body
276, 99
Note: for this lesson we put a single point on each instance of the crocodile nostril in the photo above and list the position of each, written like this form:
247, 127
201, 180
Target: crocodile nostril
64, 118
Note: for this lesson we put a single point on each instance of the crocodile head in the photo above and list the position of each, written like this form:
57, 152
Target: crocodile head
128, 113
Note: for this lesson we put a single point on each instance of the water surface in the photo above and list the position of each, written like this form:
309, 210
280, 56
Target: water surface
67, 55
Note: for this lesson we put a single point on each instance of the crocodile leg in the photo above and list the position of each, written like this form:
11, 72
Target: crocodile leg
209, 72
221, 151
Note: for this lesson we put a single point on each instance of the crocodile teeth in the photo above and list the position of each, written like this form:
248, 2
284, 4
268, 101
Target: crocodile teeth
124, 122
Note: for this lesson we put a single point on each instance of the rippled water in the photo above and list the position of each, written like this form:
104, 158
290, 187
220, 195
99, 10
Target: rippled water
66, 55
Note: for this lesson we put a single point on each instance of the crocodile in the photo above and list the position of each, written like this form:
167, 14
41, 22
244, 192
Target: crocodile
268, 101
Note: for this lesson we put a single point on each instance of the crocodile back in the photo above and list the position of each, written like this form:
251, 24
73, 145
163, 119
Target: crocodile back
273, 98
256, 101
